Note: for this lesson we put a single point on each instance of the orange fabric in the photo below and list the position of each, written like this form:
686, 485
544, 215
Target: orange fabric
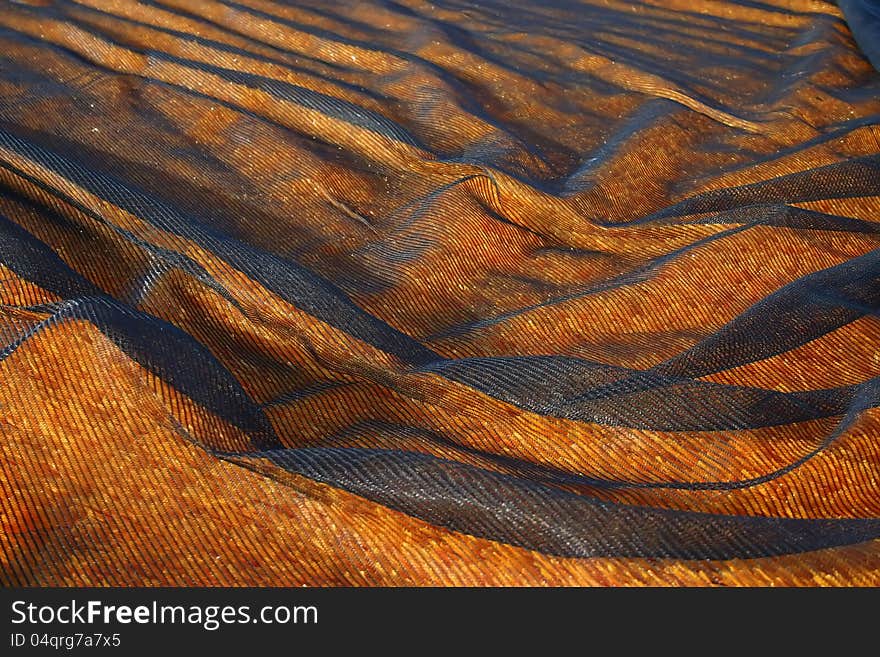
438, 294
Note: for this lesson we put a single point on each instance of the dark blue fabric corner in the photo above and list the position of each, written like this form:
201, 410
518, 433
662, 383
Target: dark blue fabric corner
863, 18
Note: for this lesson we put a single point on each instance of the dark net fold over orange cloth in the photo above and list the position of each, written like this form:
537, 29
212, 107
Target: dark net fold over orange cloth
398, 293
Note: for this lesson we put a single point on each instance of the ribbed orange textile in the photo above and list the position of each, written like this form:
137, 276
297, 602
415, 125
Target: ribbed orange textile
398, 293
